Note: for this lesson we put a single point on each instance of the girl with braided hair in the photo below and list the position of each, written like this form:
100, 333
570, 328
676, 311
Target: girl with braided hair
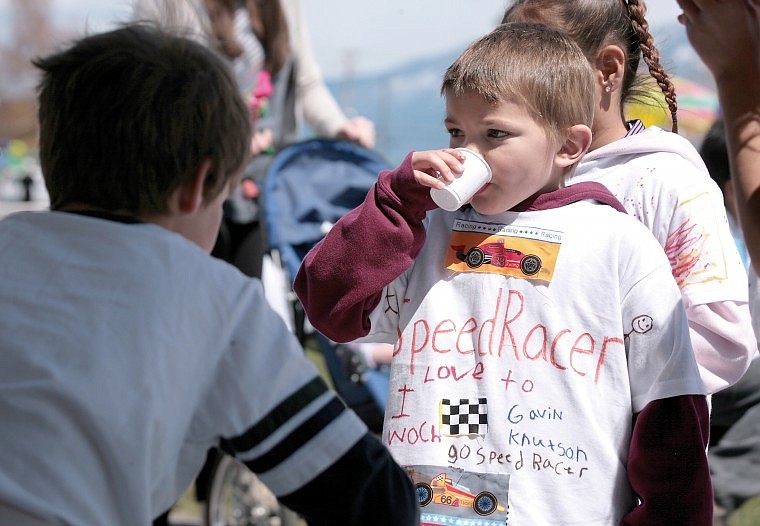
658, 176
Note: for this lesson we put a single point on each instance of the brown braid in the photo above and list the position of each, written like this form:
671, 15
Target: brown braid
651, 55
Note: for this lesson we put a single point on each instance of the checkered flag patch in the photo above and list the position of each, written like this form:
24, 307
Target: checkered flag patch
465, 416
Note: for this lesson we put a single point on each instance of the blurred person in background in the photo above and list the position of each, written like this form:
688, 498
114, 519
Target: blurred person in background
268, 44
726, 36
734, 452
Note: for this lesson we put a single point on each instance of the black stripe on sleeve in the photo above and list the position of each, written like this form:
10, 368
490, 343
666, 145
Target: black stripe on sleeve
297, 438
273, 420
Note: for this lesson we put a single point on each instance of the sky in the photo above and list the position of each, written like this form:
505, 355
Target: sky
353, 35
378, 34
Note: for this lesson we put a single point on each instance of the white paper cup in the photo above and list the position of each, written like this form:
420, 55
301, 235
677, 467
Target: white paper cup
476, 175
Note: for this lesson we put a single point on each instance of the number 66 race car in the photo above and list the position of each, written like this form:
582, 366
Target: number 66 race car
442, 490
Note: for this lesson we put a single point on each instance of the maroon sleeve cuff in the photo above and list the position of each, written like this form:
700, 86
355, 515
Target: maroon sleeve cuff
667, 463
341, 279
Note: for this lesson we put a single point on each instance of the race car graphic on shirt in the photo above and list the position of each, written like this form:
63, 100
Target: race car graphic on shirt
523, 252
498, 255
442, 490
446, 495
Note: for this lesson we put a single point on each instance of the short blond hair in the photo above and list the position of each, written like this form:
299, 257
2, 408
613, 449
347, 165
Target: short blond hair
531, 65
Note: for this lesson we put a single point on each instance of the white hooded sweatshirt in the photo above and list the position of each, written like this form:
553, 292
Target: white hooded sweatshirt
662, 181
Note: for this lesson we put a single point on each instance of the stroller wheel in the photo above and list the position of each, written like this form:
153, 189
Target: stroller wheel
237, 497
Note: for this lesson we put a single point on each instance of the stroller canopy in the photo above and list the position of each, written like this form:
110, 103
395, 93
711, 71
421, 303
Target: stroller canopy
309, 186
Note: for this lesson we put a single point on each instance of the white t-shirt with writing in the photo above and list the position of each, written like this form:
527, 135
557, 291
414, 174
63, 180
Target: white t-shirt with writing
524, 344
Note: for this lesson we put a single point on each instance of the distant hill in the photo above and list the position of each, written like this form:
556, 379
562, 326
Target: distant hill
404, 104
407, 109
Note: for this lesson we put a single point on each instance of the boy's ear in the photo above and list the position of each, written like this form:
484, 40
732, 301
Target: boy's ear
577, 142
189, 196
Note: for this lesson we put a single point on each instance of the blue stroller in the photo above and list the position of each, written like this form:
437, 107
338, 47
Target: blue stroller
309, 186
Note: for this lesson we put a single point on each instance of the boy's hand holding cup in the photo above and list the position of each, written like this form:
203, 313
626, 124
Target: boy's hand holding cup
458, 192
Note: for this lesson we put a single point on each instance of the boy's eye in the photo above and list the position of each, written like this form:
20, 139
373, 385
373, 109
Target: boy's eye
455, 132
497, 134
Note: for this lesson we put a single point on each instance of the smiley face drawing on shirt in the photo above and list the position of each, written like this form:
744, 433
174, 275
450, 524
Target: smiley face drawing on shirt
641, 325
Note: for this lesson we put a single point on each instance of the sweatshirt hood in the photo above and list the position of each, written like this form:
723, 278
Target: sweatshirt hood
650, 140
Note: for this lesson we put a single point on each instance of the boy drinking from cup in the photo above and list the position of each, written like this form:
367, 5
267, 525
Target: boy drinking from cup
542, 367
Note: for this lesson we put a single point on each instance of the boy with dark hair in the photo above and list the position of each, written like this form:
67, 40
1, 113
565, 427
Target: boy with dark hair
126, 351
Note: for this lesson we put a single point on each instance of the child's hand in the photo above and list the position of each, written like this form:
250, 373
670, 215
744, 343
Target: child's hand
722, 31
360, 130
435, 168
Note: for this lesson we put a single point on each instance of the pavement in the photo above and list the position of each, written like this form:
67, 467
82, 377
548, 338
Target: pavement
9, 207
184, 520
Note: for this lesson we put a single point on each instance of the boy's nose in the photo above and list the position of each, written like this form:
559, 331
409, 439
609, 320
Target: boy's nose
473, 147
